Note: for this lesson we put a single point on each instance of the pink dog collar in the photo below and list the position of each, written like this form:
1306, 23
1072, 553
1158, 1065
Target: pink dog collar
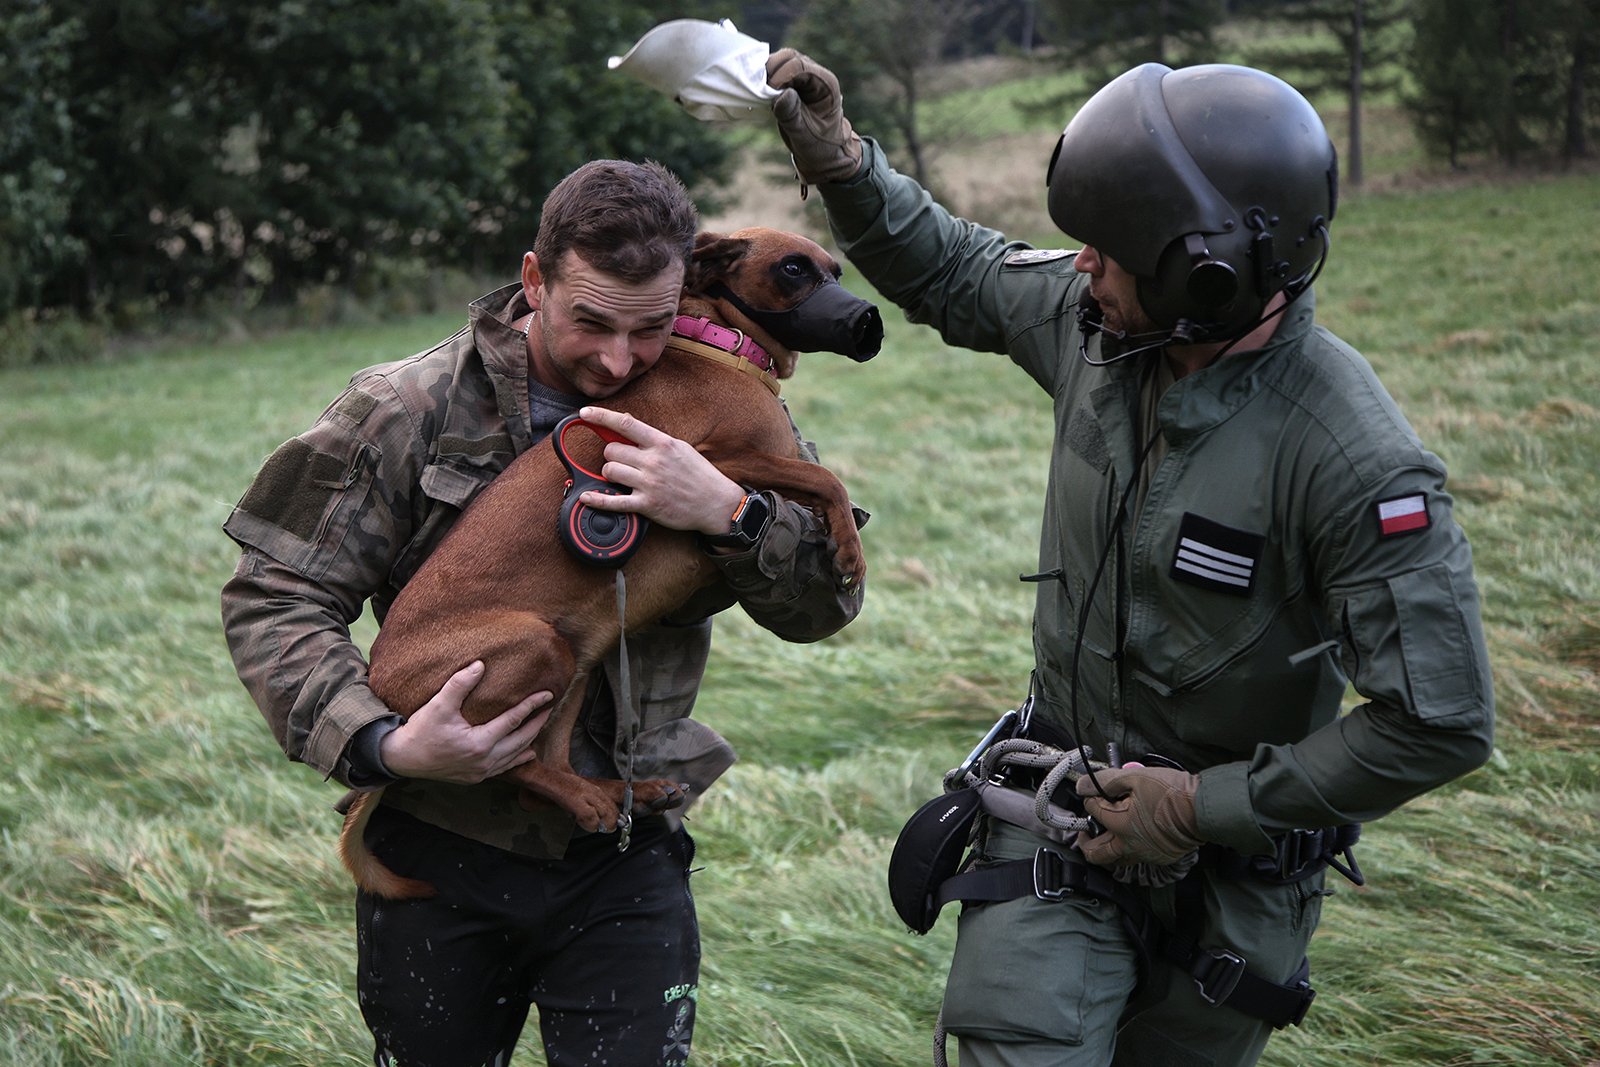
710, 333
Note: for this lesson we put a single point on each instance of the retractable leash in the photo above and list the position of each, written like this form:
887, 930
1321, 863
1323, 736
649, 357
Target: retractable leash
604, 538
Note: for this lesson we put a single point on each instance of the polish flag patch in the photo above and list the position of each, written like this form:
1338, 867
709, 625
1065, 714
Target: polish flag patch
1403, 514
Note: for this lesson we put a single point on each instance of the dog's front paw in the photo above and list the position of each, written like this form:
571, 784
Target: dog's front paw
851, 566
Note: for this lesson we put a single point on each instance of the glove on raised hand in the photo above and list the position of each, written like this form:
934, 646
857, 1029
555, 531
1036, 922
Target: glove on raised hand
1147, 812
810, 114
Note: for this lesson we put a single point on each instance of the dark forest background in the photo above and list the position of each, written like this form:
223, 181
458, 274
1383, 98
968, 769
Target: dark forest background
160, 156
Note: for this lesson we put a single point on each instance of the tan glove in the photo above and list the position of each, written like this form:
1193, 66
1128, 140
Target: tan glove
1147, 812
810, 114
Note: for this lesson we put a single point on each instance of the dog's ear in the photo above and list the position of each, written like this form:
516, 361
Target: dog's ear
713, 259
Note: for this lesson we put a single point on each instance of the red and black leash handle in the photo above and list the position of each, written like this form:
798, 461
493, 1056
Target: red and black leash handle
604, 538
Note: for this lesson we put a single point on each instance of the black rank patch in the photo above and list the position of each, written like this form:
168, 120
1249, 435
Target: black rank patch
1214, 556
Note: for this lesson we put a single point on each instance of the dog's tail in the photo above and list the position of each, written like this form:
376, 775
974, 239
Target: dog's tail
368, 871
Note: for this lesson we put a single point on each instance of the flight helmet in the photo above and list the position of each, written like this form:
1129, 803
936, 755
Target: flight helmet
1213, 185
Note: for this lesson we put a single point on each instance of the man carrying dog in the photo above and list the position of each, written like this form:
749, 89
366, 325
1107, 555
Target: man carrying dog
1239, 521
529, 910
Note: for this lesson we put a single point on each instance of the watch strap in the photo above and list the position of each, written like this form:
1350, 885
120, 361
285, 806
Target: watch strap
747, 525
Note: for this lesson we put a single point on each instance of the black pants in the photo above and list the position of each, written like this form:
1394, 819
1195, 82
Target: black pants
604, 942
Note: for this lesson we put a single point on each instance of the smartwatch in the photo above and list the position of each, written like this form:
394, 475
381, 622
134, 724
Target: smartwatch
749, 522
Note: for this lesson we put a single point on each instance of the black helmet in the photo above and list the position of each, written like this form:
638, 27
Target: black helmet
1212, 185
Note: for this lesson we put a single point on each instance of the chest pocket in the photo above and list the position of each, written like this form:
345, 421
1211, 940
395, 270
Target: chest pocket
1230, 647
448, 486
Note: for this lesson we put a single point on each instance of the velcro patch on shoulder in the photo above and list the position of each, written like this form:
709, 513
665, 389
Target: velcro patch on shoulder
355, 405
1403, 514
292, 488
1214, 556
1032, 257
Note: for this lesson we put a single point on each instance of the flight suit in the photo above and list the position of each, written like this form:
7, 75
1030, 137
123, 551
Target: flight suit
1296, 537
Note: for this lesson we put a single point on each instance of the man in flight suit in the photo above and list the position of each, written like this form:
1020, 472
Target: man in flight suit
1239, 522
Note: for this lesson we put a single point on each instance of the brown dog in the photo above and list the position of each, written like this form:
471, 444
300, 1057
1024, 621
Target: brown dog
501, 588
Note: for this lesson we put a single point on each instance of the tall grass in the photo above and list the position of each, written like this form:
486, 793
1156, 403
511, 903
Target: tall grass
168, 893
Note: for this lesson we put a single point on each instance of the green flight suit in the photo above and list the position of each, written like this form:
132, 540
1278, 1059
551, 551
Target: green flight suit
1294, 537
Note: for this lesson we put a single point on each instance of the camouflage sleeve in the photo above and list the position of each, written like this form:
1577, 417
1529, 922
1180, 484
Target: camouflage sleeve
787, 583
291, 645
321, 527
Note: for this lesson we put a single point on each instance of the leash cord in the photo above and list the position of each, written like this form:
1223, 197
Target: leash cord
625, 705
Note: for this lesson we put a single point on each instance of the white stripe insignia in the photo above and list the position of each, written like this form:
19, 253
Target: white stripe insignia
1214, 556
1028, 257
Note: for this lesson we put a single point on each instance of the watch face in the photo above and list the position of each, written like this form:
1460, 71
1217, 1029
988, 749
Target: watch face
754, 518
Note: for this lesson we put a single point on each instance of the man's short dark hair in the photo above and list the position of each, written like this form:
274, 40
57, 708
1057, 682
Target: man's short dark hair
629, 220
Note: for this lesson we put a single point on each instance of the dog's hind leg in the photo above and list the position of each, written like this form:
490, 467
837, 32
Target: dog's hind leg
522, 654
596, 803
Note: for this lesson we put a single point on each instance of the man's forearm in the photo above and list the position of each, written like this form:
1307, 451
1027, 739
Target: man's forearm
292, 649
788, 583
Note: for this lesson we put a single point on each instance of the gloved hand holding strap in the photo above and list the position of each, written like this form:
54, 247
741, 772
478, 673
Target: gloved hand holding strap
1147, 813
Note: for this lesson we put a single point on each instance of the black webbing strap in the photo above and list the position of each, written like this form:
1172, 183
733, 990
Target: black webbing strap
1049, 875
1220, 976
1299, 855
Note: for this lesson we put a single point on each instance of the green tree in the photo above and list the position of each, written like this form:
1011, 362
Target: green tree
38, 181
1462, 81
153, 153
885, 53
1582, 17
1556, 47
252, 144
1506, 74
1106, 39
566, 108
1360, 49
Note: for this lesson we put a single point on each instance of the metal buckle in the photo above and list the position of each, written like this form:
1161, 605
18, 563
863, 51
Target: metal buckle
624, 830
1216, 974
1046, 887
1300, 849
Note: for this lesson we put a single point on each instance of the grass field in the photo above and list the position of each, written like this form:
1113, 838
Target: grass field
168, 889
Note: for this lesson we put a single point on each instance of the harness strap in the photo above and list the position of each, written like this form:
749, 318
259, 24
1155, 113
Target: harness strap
1299, 855
1220, 976
1049, 875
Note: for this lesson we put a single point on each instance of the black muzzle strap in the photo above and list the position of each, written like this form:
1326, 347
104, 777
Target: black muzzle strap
831, 319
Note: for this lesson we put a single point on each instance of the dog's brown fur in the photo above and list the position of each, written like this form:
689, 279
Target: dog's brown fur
502, 589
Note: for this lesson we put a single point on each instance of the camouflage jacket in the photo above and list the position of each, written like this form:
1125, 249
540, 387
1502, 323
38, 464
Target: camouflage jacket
349, 510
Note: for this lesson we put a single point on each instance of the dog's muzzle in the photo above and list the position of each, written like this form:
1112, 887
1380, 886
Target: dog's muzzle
831, 319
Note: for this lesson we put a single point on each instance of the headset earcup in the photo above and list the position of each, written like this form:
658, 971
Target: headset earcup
1212, 283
